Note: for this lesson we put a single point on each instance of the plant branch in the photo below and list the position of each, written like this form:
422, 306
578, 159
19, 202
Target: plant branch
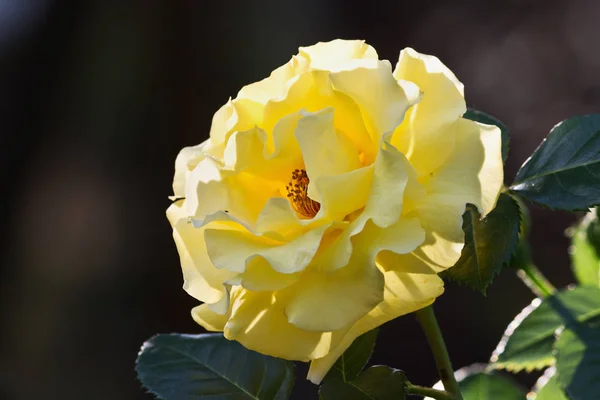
426, 318
535, 281
531, 276
429, 392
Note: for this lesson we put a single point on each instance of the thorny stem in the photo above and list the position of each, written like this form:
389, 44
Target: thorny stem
426, 318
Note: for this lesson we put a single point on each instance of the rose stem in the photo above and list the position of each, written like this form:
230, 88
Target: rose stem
429, 392
535, 280
529, 274
429, 324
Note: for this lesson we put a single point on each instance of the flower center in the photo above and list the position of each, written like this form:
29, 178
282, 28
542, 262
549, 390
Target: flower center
297, 190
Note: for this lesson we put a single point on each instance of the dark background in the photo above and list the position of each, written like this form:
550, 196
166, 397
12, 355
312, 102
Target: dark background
97, 97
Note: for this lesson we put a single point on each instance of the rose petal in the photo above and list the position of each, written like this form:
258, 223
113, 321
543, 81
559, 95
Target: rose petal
276, 85
382, 101
259, 276
201, 279
476, 179
186, 161
210, 188
257, 321
442, 103
312, 91
325, 152
326, 301
403, 294
337, 54
208, 319
345, 193
323, 302
392, 174
235, 115
233, 249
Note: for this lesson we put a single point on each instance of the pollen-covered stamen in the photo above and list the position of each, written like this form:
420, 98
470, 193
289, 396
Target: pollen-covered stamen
297, 190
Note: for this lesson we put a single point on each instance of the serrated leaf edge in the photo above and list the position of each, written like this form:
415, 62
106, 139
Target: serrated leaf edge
507, 258
508, 332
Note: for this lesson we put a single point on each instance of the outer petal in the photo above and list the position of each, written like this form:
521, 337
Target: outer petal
210, 188
223, 122
337, 54
276, 85
259, 276
476, 179
186, 161
236, 115
205, 189
433, 256
244, 150
443, 99
257, 321
381, 99
201, 279
442, 103
208, 319
404, 293
233, 250
324, 302
328, 301
407, 263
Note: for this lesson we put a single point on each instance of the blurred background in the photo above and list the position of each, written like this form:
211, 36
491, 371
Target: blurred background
98, 96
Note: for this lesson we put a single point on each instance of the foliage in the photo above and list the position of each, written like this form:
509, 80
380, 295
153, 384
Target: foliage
529, 340
209, 366
489, 244
585, 249
489, 385
564, 171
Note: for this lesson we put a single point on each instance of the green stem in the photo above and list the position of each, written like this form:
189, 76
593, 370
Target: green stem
528, 272
429, 392
433, 333
535, 280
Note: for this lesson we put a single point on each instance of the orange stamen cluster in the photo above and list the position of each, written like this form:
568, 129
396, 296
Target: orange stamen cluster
297, 190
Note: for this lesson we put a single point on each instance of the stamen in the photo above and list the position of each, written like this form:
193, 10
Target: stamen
297, 190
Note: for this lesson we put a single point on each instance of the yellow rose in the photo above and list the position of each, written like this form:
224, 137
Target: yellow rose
328, 197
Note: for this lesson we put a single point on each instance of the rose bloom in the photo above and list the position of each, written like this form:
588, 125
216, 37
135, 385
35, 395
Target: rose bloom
328, 197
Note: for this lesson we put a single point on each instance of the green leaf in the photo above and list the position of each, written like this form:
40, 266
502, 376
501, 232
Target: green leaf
479, 116
489, 386
564, 171
354, 359
578, 361
593, 231
489, 244
521, 257
584, 250
547, 387
529, 339
376, 383
208, 366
